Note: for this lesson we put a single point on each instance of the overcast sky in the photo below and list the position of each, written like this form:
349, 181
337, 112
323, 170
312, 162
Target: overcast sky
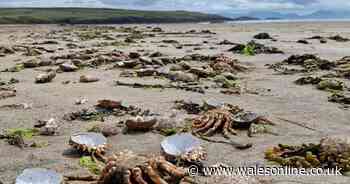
212, 6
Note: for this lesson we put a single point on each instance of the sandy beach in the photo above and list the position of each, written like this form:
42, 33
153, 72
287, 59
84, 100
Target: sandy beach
265, 91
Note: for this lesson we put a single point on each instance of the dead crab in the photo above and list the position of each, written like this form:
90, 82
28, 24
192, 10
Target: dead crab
223, 120
212, 121
128, 168
223, 63
183, 147
89, 143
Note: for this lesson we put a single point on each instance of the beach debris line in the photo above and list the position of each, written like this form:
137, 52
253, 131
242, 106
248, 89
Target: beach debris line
185, 86
104, 108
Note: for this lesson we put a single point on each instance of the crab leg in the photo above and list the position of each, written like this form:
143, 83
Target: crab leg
79, 147
93, 157
228, 127
218, 123
264, 121
207, 126
170, 168
152, 173
99, 154
108, 167
126, 177
154, 176
137, 175
225, 130
233, 131
201, 121
187, 180
107, 175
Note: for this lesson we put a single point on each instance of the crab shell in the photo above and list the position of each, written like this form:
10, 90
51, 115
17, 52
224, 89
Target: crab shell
245, 119
89, 142
39, 176
184, 146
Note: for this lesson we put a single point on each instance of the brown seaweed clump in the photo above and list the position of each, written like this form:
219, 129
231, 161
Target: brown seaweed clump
306, 63
339, 38
6, 92
262, 36
308, 80
105, 108
342, 98
331, 152
310, 62
322, 84
343, 67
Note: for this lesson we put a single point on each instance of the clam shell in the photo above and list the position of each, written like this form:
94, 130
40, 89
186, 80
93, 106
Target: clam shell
39, 176
179, 144
89, 139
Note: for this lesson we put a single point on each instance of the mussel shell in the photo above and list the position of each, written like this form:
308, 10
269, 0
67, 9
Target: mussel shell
89, 139
179, 144
39, 176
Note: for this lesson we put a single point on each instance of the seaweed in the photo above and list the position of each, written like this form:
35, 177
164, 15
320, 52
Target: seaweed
331, 152
18, 136
249, 50
90, 164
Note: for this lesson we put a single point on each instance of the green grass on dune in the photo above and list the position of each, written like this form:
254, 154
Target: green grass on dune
97, 16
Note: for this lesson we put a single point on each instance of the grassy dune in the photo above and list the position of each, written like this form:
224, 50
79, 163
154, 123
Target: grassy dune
98, 16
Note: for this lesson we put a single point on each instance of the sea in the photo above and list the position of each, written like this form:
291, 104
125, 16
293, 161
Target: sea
287, 20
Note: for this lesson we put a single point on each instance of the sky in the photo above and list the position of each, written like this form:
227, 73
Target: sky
209, 6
